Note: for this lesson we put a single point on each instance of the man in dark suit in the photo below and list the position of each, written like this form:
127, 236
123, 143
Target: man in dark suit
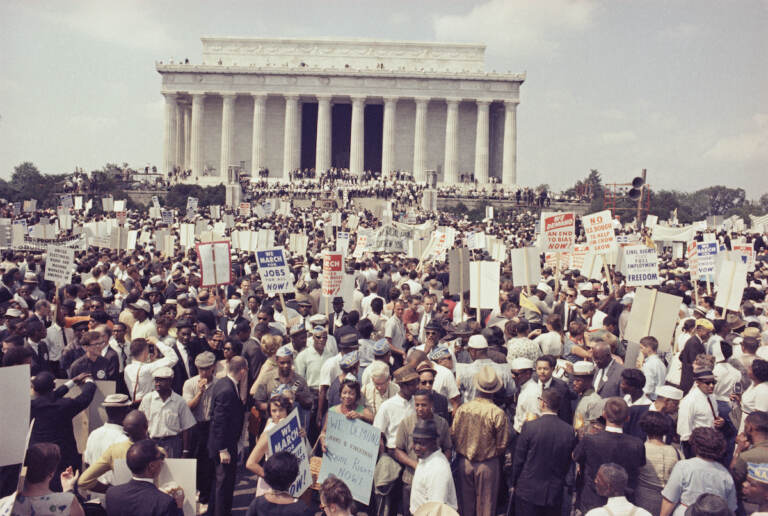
227, 413
140, 495
567, 310
542, 460
334, 318
608, 372
545, 366
666, 402
609, 445
53, 414
186, 348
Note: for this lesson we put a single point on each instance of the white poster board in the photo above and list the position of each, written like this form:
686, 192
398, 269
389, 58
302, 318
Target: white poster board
653, 313
484, 284
732, 280
15, 407
599, 230
526, 266
558, 234
215, 263
333, 273
59, 264
640, 265
285, 437
276, 277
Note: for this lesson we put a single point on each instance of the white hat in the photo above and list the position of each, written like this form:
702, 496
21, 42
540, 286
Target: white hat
669, 392
141, 304
162, 372
477, 342
583, 368
544, 288
521, 364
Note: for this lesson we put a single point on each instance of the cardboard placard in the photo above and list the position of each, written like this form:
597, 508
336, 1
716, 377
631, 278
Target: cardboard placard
599, 230
458, 267
706, 254
526, 266
640, 265
484, 284
653, 313
15, 407
215, 263
352, 449
333, 273
276, 277
284, 436
731, 280
59, 264
559, 232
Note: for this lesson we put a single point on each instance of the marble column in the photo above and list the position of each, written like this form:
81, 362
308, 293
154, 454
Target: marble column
179, 159
451, 160
187, 130
323, 150
357, 138
169, 132
290, 135
258, 148
482, 147
388, 136
420, 140
197, 156
227, 133
509, 159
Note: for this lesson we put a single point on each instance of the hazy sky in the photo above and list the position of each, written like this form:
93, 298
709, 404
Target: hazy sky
677, 87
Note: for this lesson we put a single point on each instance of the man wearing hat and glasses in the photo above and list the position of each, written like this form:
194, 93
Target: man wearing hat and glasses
197, 392
698, 409
480, 434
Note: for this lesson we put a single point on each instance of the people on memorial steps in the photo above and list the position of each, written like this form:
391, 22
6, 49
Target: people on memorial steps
385, 378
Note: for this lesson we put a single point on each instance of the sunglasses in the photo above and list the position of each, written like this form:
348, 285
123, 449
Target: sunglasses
708, 382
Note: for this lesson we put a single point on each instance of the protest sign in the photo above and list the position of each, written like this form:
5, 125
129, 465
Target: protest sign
732, 280
667, 234
167, 217
577, 256
298, 244
352, 222
759, 224
342, 242
15, 407
651, 221
130, 243
155, 201
390, 238
653, 313
66, 201
284, 436
475, 240
352, 449
59, 264
558, 234
747, 253
215, 211
78, 202
526, 266
592, 266
119, 205
107, 204
245, 209
215, 263
191, 204
706, 253
484, 284
489, 212
333, 272
6, 233
458, 268
275, 274
693, 264
30, 205
640, 265
599, 230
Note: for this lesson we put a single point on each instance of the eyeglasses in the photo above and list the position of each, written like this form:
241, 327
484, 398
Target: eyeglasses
427, 382
261, 318
227, 348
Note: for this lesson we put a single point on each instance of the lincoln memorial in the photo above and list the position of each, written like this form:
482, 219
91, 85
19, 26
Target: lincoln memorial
288, 104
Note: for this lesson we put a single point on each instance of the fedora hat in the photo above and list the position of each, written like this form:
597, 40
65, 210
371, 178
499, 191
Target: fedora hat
487, 381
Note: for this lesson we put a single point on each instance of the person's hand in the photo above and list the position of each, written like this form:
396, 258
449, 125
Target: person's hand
569, 367
742, 443
302, 432
534, 333
178, 497
352, 415
735, 397
68, 479
79, 379
202, 384
719, 422
224, 457
322, 443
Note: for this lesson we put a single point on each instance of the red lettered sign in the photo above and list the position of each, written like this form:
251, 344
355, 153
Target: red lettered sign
599, 230
559, 232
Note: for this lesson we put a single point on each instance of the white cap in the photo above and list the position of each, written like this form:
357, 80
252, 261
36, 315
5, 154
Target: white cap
544, 288
521, 364
583, 368
477, 342
669, 392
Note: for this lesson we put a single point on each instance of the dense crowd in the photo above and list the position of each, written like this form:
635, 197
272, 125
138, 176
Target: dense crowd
538, 406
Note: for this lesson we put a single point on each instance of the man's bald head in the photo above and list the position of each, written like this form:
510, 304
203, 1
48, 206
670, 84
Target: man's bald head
236, 365
601, 354
415, 357
135, 425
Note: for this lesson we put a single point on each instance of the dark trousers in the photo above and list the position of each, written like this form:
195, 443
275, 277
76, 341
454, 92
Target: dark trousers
222, 488
205, 467
529, 509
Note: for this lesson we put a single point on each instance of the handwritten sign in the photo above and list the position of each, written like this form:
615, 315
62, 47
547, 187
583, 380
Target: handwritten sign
285, 437
706, 254
352, 448
599, 230
558, 232
275, 274
693, 260
59, 264
245, 209
333, 273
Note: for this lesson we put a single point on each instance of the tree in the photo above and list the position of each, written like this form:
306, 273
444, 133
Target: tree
764, 202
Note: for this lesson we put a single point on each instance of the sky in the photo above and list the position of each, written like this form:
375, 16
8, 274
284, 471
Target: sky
678, 87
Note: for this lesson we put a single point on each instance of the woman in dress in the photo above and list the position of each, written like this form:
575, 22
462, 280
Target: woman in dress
351, 404
660, 458
702, 474
280, 470
280, 405
336, 498
36, 497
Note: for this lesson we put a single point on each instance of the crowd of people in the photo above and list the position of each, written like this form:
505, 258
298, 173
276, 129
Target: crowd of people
536, 407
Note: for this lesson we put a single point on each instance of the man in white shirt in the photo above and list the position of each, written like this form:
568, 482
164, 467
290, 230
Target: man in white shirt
394, 409
169, 416
111, 432
365, 304
138, 374
653, 368
611, 482
698, 409
432, 478
394, 331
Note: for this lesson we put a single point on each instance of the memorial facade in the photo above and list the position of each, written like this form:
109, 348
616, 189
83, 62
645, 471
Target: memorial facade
288, 104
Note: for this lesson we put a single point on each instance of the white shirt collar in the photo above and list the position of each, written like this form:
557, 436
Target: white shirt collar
148, 480
613, 429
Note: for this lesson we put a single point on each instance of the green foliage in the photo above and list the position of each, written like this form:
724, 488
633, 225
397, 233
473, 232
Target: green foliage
210, 195
28, 183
